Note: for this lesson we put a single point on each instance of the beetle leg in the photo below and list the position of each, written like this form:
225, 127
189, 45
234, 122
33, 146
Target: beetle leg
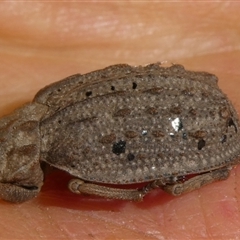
197, 182
17, 194
78, 186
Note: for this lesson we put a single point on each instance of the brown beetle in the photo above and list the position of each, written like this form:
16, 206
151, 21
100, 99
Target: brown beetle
122, 125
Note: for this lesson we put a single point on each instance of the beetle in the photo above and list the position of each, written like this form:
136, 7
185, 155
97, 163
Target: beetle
164, 126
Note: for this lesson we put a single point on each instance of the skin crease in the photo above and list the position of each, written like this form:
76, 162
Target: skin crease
45, 42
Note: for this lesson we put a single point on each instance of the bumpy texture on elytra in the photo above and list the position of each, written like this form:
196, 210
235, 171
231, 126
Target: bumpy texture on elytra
121, 125
173, 122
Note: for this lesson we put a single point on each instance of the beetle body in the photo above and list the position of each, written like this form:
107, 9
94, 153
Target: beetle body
124, 125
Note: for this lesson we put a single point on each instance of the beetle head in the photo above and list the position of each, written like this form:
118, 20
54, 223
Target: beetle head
20, 146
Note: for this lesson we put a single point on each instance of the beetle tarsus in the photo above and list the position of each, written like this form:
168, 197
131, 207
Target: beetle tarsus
197, 182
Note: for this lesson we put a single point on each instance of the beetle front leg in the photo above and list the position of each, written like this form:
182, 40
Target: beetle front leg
17, 194
197, 182
78, 186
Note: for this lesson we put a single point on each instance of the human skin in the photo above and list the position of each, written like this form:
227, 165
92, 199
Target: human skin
45, 42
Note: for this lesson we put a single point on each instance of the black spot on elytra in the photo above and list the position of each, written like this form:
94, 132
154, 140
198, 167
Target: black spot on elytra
224, 138
88, 93
119, 147
112, 88
130, 157
134, 85
231, 123
184, 136
201, 144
